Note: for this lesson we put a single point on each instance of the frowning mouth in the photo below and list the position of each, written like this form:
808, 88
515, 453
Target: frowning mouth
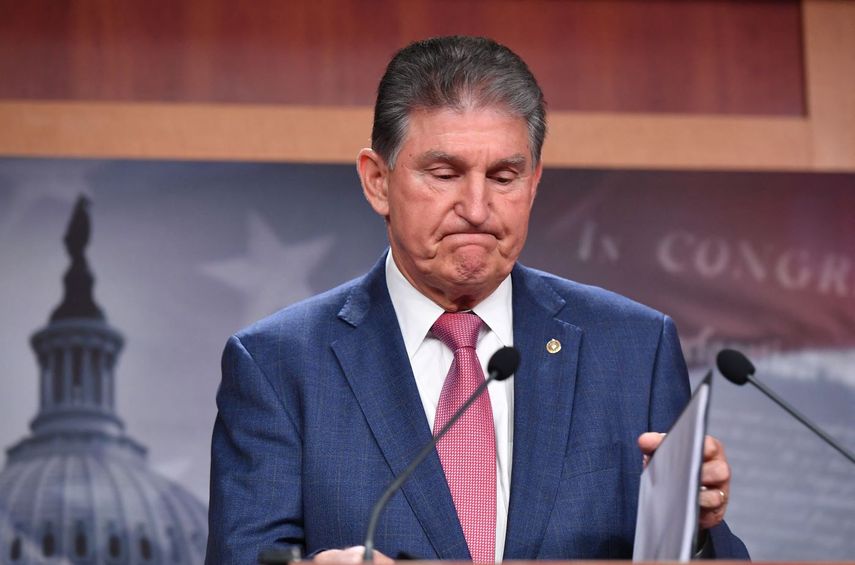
470, 238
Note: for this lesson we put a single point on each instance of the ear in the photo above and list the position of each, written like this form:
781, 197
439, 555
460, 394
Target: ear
374, 175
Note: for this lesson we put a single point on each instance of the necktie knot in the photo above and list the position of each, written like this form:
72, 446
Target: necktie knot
458, 329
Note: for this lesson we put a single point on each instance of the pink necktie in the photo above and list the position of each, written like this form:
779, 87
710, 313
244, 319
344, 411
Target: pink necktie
468, 450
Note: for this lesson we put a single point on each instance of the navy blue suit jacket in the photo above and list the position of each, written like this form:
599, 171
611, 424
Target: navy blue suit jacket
319, 410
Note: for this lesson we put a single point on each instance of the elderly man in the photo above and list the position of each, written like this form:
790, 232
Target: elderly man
322, 404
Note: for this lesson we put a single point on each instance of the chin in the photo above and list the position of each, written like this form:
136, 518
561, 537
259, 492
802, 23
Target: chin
476, 272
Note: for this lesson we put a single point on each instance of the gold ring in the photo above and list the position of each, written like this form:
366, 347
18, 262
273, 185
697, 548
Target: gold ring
723, 497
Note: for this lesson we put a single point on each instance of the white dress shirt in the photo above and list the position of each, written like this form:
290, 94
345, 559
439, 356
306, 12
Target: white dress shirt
431, 360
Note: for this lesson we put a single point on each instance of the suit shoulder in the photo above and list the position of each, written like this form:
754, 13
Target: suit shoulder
596, 303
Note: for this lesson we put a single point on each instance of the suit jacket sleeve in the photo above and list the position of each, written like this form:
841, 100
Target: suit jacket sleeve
255, 464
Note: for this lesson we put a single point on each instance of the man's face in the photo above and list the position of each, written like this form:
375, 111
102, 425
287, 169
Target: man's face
457, 202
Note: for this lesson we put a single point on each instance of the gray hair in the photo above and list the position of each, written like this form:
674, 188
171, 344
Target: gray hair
454, 72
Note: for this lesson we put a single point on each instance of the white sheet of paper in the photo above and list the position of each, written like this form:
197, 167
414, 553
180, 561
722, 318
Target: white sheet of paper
668, 509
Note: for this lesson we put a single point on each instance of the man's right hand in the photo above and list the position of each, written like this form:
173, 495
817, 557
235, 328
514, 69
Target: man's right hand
350, 555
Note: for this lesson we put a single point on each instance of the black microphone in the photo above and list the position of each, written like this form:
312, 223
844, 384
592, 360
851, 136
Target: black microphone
739, 370
502, 365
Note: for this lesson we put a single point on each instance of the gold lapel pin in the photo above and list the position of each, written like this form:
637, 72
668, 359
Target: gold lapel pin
553, 346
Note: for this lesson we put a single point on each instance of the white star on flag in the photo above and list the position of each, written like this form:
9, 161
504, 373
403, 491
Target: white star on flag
271, 275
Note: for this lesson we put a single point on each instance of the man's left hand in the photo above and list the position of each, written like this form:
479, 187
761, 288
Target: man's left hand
715, 476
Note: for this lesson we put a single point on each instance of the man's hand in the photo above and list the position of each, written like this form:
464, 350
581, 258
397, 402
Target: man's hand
350, 555
715, 476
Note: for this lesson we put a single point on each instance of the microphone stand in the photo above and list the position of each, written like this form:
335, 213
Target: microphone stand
402, 478
797, 415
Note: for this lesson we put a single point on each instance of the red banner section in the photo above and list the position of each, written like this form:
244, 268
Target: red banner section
760, 261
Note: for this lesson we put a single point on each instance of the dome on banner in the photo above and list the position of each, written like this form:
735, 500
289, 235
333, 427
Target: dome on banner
78, 488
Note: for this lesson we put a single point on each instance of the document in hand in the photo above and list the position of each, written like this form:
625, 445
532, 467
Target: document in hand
667, 520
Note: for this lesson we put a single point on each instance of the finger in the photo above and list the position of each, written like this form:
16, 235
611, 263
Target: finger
713, 448
338, 556
715, 478
715, 473
713, 503
712, 498
649, 441
331, 556
711, 518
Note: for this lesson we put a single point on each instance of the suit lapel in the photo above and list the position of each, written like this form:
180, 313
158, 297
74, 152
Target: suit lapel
374, 360
543, 399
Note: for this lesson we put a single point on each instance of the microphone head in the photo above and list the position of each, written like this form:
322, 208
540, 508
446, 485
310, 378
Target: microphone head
734, 366
503, 363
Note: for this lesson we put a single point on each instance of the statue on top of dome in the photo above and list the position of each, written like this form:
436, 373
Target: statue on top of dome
78, 280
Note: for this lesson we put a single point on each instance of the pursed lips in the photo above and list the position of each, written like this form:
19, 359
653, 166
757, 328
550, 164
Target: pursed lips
470, 237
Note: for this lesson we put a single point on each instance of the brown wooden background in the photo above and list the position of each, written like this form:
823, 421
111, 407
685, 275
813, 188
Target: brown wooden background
649, 83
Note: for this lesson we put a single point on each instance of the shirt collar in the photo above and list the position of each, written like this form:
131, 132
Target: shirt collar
417, 313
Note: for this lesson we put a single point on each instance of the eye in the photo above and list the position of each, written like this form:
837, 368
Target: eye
444, 173
504, 178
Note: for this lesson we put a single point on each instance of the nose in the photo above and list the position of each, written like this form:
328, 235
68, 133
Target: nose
473, 202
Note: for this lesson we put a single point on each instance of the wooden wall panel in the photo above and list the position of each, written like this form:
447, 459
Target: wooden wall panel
830, 56
713, 57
